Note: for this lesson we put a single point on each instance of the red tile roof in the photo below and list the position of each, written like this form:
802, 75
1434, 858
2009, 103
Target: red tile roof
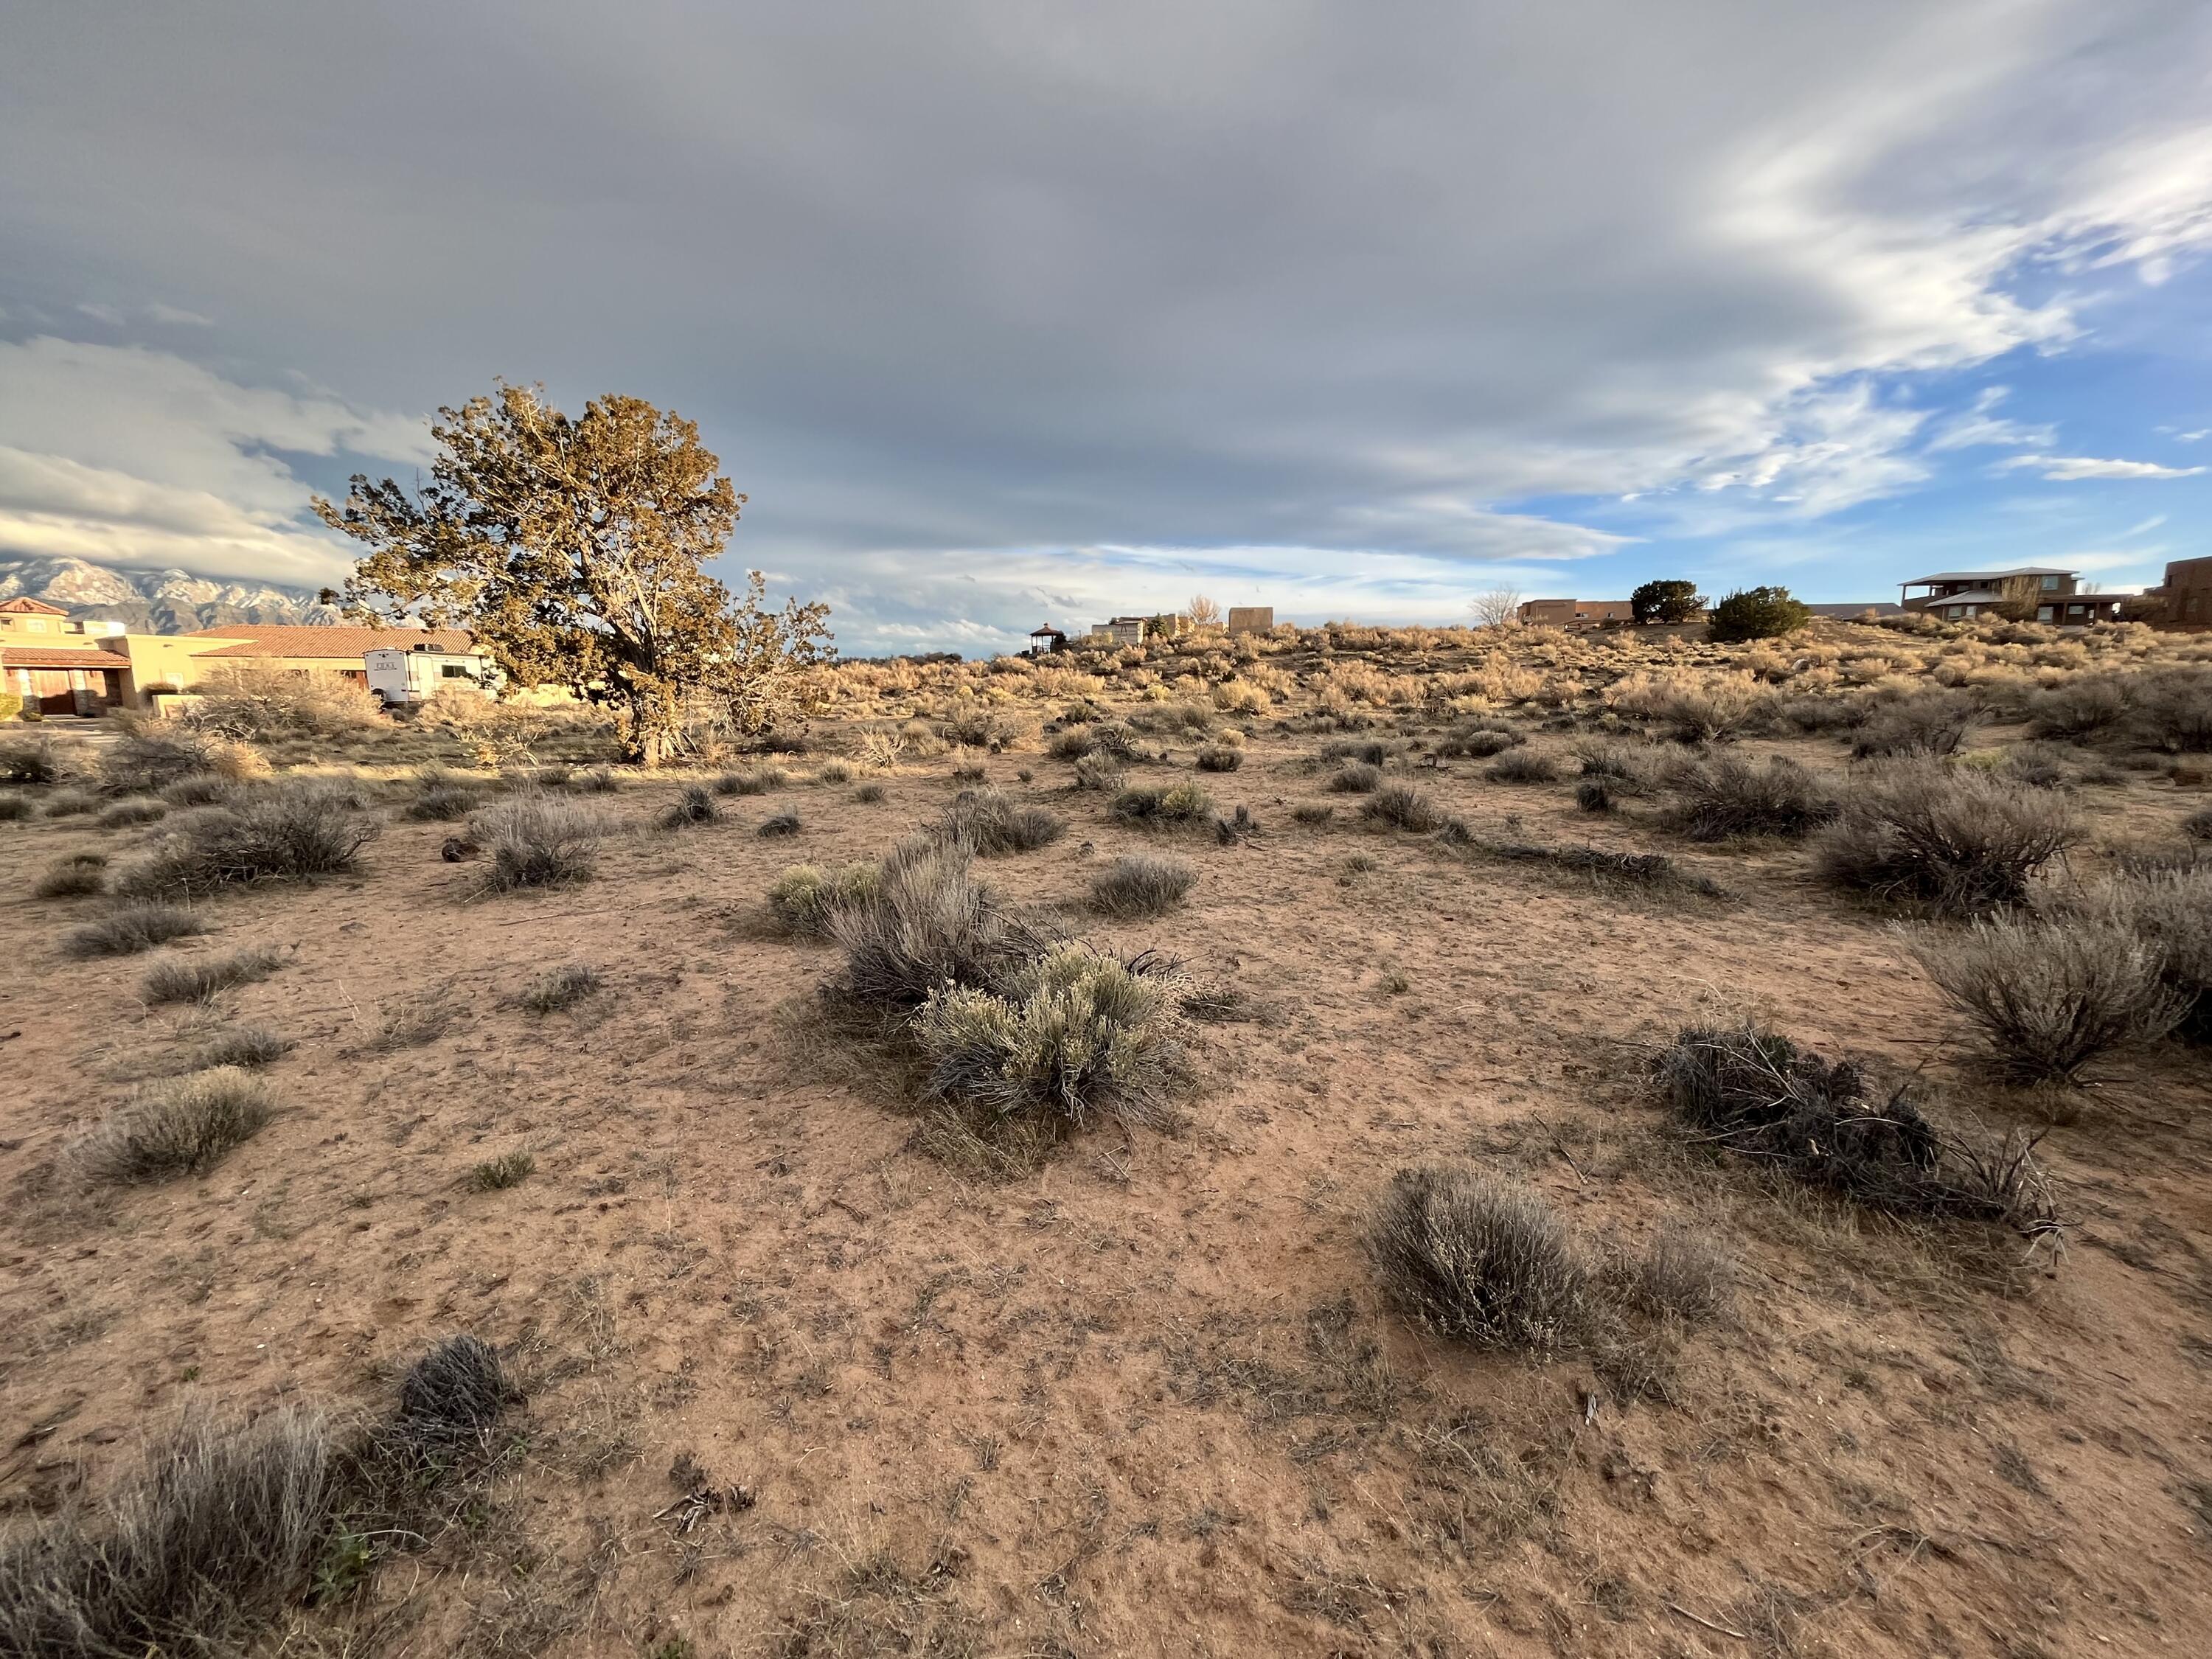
346, 643
27, 606
28, 656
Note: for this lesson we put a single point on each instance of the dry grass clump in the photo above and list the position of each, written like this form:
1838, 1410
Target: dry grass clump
76, 876
753, 781
181, 1125
1647, 873
2049, 995
1312, 812
1180, 805
1069, 1036
71, 803
1360, 752
562, 987
1219, 757
454, 1394
1101, 772
779, 824
928, 923
1401, 806
834, 771
1071, 745
209, 1540
803, 897
1753, 1093
1722, 796
497, 1175
290, 831
1931, 723
537, 840
1523, 766
126, 932
444, 796
990, 822
1957, 839
695, 806
1359, 778
1682, 1274
30, 760
133, 811
147, 757
249, 1046
1471, 1258
200, 979
17, 809
1139, 884
1478, 743
202, 789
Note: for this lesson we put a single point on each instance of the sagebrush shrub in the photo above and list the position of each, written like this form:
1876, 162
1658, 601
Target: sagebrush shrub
1139, 884
539, 840
695, 806
1469, 1257
753, 781
2170, 912
134, 928
1956, 839
1523, 766
2174, 712
1219, 757
180, 1125
133, 811
1182, 806
2081, 707
1071, 1036
147, 757
1720, 796
1101, 772
1933, 723
1682, 1274
1359, 778
249, 1046
561, 987
928, 923
73, 876
779, 824
30, 760
2049, 994
803, 897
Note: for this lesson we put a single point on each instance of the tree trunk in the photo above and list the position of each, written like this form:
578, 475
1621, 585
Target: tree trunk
650, 733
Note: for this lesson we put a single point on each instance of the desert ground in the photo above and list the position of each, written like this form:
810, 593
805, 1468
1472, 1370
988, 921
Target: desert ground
798, 1361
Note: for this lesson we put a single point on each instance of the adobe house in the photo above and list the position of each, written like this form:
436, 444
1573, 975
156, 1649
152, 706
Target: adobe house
1251, 618
54, 665
1962, 595
1577, 613
2184, 599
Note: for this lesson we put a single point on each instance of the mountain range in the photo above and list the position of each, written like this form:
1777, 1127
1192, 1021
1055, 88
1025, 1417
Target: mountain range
157, 601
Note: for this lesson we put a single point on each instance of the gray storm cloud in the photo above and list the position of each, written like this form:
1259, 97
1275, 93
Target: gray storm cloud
1000, 308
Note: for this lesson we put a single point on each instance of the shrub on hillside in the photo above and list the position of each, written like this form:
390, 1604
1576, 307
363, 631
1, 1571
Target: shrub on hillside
1724, 795
293, 831
1139, 884
248, 702
779, 824
2049, 995
1219, 757
539, 840
1958, 840
30, 760
199, 979
131, 811
1357, 779
1753, 1093
1478, 743
182, 1126
150, 756
753, 781
1101, 772
2169, 911
76, 876
2175, 711
1756, 613
1933, 723
563, 988
1681, 1274
695, 806
2081, 707
1471, 1258
1071, 1036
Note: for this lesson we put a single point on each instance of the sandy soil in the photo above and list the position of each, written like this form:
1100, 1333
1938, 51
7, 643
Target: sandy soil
1148, 1400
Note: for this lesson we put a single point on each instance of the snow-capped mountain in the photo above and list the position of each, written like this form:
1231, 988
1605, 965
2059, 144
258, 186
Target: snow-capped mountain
156, 601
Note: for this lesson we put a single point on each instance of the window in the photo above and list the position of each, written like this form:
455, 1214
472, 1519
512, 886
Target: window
2050, 584
1955, 610
36, 625
453, 671
2046, 612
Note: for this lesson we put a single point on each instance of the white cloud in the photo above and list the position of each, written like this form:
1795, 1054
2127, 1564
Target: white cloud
138, 458
1980, 425
176, 316
2068, 469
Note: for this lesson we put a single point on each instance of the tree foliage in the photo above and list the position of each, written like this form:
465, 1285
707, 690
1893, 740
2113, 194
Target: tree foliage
573, 548
1665, 601
1500, 607
1757, 613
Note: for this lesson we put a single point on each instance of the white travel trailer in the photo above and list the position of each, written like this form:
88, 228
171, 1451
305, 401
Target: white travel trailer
417, 673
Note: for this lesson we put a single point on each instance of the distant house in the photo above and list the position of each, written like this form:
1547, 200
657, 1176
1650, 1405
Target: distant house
57, 667
1251, 618
2184, 599
1577, 613
1122, 630
1852, 612
1962, 595
1043, 642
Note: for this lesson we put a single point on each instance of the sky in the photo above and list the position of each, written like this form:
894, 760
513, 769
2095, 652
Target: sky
1013, 312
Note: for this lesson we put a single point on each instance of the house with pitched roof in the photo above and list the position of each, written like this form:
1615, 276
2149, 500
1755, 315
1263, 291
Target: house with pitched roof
1962, 595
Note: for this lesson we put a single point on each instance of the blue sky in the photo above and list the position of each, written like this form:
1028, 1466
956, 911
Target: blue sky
1007, 313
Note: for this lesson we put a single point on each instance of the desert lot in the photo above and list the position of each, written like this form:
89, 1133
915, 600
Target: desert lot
801, 1363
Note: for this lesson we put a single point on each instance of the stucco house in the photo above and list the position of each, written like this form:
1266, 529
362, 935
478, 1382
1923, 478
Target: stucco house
1962, 595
